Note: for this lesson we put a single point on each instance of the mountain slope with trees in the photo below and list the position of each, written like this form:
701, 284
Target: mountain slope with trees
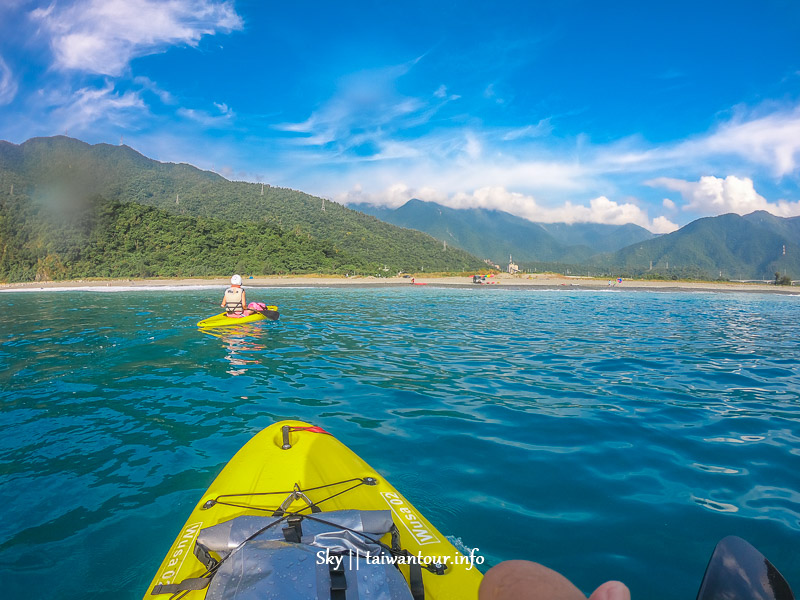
488, 234
59, 173
105, 238
496, 234
728, 246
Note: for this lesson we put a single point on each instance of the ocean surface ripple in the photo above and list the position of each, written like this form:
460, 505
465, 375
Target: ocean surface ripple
606, 434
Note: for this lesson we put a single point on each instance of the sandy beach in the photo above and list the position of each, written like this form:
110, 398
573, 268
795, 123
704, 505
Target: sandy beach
538, 281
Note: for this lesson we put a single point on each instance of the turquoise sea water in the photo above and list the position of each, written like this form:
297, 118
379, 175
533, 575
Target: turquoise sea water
611, 434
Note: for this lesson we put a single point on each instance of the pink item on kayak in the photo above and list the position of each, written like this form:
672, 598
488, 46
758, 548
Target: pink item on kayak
253, 307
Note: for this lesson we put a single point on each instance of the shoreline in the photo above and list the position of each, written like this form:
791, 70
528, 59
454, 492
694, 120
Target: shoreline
503, 280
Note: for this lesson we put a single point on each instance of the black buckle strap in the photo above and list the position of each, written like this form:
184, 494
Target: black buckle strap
395, 538
415, 581
414, 568
293, 532
192, 584
338, 581
204, 556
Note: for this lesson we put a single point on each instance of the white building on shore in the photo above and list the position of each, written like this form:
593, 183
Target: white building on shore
513, 268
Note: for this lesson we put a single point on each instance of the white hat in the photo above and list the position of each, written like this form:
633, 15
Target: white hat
236, 280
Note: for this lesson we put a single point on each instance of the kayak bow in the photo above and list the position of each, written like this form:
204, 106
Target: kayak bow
286, 485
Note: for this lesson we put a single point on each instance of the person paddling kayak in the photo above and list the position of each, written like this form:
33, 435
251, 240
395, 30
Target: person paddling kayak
234, 301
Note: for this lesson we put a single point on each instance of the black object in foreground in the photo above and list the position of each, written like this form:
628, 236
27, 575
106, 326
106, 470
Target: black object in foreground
737, 571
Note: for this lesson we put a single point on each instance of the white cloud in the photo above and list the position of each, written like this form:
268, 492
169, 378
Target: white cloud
767, 137
663, 225
490, 93
88, 108
715, 196
772, 140
102, 36
224, 109
366, 110
152, 86
207, 119
368, 133
602, 210
472, 146
393, 196
541, 129
441, 93
8, 85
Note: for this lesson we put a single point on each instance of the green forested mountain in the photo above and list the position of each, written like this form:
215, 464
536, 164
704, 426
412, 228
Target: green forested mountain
97, 237
487, 234
728, 246
44, 177
496, 235
599, 237
787, 228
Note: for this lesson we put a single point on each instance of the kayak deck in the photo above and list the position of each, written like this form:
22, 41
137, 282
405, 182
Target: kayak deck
223, 320
292, 467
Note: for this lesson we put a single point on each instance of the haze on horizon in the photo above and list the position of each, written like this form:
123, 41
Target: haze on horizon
556, 111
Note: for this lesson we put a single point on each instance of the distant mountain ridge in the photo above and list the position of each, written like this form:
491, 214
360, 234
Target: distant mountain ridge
495, 234
728, 246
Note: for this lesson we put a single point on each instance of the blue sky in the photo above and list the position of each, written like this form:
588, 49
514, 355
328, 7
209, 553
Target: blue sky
562, 110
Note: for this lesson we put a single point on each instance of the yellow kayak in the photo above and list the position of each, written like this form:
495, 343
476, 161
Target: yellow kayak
223, 320
296, 514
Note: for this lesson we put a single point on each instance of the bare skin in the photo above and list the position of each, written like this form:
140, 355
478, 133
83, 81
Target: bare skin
524, 580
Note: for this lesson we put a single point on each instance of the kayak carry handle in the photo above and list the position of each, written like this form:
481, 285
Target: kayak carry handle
285, 430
